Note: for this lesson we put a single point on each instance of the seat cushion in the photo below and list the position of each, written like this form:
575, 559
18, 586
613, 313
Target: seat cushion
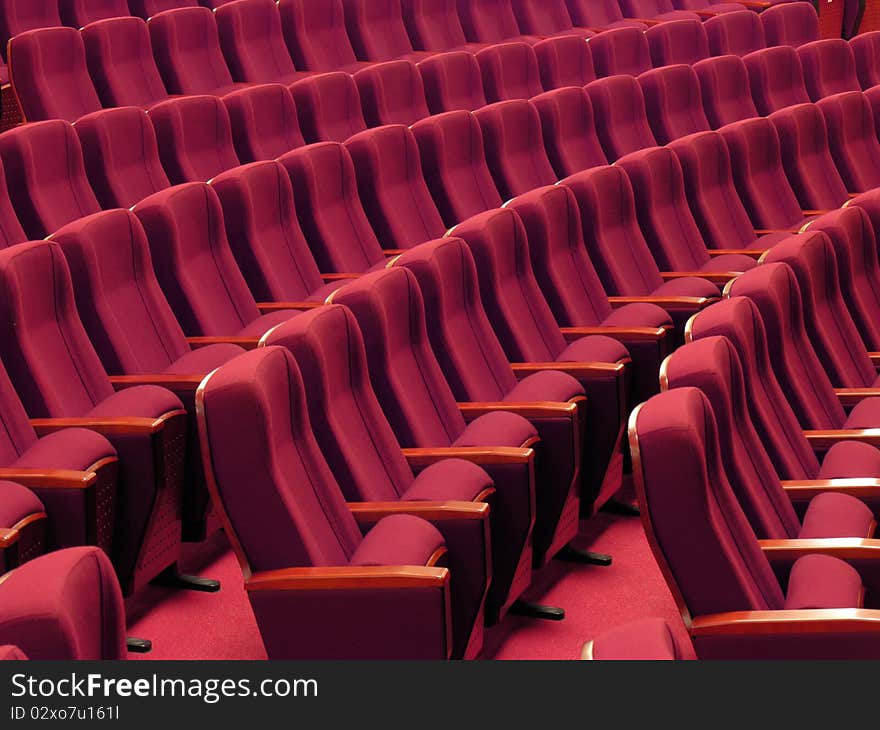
16, 503
837, 515
690, 286
549, 385
449, 479
262, 324
647, 640
637, 315
850, 459
72, 448
865, 415
203, 359
769, 240
10, 653
595, 348
398, 540
820, 581
144, 401
730, 262
498, 428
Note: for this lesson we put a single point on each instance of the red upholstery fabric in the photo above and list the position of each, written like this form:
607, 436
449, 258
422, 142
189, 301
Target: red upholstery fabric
452, 81
737, 33
621, 118
433, 25
776, 78
820, 581
377, 30
315, 34
790, 24
329, 107
678, 41
77, 13
620, 51
672, 102
564, 61
509, 71
264, 122
724, 86
853, 139
829, 67
392, 93
647, 640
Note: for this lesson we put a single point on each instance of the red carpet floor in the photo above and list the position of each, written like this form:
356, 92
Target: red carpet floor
189, 625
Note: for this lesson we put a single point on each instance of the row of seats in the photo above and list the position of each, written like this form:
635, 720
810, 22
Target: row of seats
65, 73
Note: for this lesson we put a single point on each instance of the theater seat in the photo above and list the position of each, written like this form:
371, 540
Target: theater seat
77, 13
433, 25
564, 61
452, 81
866, 52
19, 16
853, 139
790, 24
776, 78
120, 60
738, 33
724, 86
392, 93
377, 31
329, 107
491, 21
46, 179
253, 416
620, 51
509, 71
678, 41
59, 377
121, 156
655, 10
672, 102
264, 122
649, 639
621, 117
568, 126
547, 18
600, 14
23, 525
829, 67
64, 606
316, 37
147, 8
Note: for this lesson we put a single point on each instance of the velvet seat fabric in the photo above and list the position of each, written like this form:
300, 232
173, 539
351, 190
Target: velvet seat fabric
77, 13
19, 16
853, 139
568, 126
434, 25
329, 107
547, 18
564, 61
600, 14
829, 67
655, 9
491, 21
509, 71
316, 37
377, 31
678, 41
672, 102
392, 93
264, 122
621, 117
790, 24
724, 86
738, 33
620, 51
452, 81
647, 639
866, 51
147, 8
776, 78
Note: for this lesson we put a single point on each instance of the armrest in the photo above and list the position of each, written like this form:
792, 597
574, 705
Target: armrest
248, 343
755, 4
665, 302
853, 396
366, 513
827, 439
175, 383
475, 454
348, 577
624, 334
49, 478
807, 212
765, 231
646, 21
755, 253
716, 277
817, 621
338, 277
268, 307
860, 488
105, 426
394, 251
704, 13
578, 370
875, 358
843, 548
8, 537
531, 409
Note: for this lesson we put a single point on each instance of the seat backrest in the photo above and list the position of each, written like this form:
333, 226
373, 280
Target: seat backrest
330, 210
148, 8
677, 41
736, 33
621, 117
775, 291
713, 197
833, 333
45, 348
620, 51
853, 139
689, 502
829, 67
392, 187
11, 231
292, 512
509, 71
454, 165
711, 365
45, 176
564, 61
776, 78
662, 209
392, 93
406, 376
18, 16
725, 89
521, 317
122, 307
77, 13
803, 140
315, 34
347, 420
16, 432
673, 102
121, 156
467, 348
120, 59
452, 81
594, 13
790, 24
433, 25
739, 321
570, 283
376, 29
187, 50
488, 21
866, 52
542, 17
264, 233
195, 138
759, 176
569, 130
253, 42
329, 107
614, 242
514, 144
194, 262
264, 122
48, 69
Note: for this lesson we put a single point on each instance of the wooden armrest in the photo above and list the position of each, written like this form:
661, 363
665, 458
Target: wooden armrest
716, 277
827, 439
338, 277
267, 307
809, 621
853, 396
806, 489
394, 251
248, 343
176, 383
49, 478
45, 426
704, 13
349, 577
851, 196
815, 212
765, 231
755, 253
578, 370
432, 511
875, 358
8, 537
665, 302
474, 454
756, 4
530, 410
646, 21
843, 548
626, 334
